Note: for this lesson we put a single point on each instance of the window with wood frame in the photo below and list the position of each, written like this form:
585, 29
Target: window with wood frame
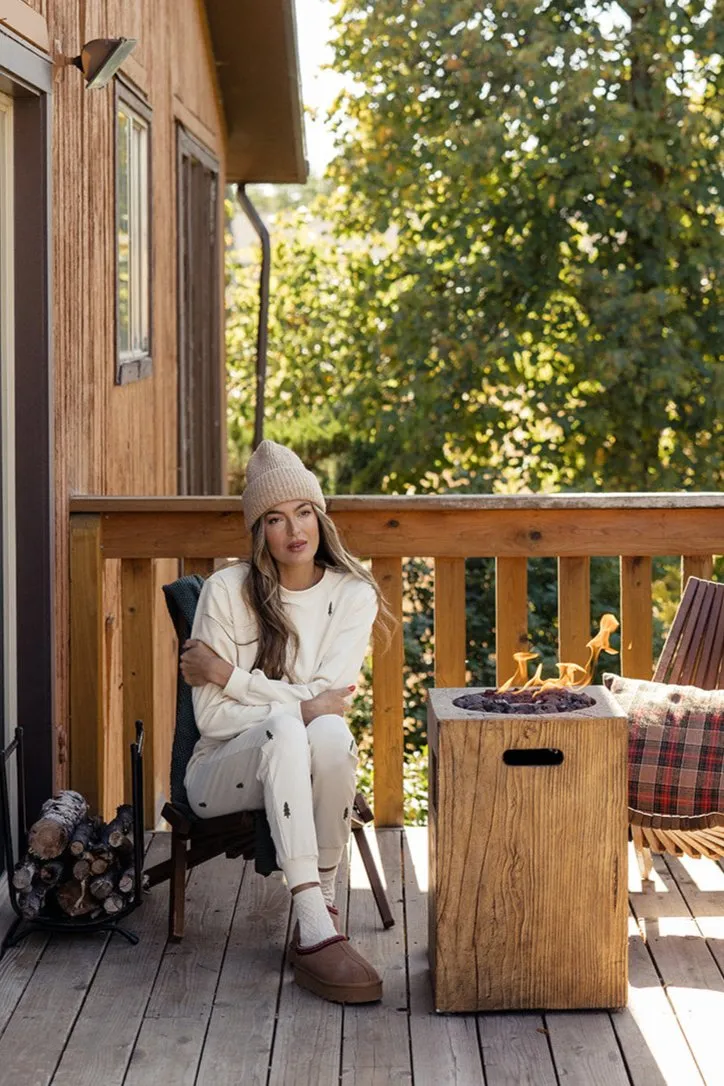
200, 374
133, 236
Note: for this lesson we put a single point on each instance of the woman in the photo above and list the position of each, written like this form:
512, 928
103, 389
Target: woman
275, 651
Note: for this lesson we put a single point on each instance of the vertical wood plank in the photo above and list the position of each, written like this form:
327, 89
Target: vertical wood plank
203, 566
574, 609
307, 1032
584, 1049
87, 737
165, 674
450, 632
387, 695
54, 995
115, 753
71, 393
444, 1047
117, 996
696, 565
137, 594
170, 1042
687, 963
636, 618
376, 1039
511, 613
253, 963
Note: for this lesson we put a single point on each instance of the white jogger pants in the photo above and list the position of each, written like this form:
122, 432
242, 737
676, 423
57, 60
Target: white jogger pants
303, 776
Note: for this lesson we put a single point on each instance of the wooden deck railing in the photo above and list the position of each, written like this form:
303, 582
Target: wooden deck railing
572, 528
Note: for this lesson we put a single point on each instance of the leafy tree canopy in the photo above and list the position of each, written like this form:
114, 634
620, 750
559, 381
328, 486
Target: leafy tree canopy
522, 282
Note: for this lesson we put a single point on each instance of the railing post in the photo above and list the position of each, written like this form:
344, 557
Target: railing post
203, 566
137, 609
696, 565
387, 700
636, 618
511, 613
450, 625
574, 609
87, 726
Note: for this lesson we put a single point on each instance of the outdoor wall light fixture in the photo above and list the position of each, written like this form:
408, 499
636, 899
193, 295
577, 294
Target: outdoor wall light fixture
101, 58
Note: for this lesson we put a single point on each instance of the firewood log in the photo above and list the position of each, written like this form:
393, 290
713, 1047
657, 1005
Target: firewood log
74, 898
123, 820
30, 902
101, 886
83, 834
99, 864
114, 903
55, 827
24, 873
127, 881
81, 869
121, 842
52, 872
120, 828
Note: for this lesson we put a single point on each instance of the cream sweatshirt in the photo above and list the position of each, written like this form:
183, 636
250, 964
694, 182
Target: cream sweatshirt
333, 619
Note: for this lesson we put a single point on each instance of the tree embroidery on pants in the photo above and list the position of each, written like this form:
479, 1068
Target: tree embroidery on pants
287, 812
269, 734
345, 816
240, 784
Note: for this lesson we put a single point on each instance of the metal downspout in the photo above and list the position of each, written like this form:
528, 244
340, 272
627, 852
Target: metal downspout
262, 331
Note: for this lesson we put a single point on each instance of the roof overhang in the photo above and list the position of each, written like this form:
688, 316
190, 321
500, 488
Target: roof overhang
255, 48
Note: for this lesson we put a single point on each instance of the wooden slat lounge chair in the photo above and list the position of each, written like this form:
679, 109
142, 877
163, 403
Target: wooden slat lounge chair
693, 655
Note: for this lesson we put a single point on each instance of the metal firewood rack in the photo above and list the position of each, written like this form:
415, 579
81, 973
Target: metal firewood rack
52, 922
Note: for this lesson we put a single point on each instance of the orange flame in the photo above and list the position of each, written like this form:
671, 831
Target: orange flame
569, 674
521, 673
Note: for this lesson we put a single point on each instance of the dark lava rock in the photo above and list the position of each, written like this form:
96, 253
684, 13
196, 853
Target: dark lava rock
557, 699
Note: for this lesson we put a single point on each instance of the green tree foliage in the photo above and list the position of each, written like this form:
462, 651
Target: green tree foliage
523, 255
315, 370
554, 183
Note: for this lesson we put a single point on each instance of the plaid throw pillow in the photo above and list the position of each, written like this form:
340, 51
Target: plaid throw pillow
676, 746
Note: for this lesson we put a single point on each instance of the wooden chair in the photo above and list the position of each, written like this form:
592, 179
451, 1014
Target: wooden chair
195, 840
693, 655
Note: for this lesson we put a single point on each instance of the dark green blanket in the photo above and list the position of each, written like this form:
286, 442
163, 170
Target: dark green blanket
182, 597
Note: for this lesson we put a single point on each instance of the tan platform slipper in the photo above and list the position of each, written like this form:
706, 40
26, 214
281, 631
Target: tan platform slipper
335, 971
294, 941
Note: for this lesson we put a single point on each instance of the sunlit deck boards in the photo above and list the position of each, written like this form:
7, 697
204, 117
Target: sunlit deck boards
221, 1008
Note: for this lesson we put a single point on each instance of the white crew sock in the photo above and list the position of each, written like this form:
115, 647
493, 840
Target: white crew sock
315, 923
327, 883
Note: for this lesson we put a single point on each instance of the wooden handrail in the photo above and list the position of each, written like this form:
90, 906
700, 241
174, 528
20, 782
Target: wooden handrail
511, 528
343, 503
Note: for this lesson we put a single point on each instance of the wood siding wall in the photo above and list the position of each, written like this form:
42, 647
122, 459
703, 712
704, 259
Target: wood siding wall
110, 439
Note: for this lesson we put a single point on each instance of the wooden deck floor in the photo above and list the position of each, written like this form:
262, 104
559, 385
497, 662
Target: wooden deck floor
221, 1007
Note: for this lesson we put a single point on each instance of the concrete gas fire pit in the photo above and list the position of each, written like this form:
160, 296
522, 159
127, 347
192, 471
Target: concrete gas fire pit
528, 853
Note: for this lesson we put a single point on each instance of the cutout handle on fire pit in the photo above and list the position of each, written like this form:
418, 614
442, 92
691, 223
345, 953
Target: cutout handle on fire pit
533, 756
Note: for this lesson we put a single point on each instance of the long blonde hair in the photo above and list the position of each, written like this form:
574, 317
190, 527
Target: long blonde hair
278, 641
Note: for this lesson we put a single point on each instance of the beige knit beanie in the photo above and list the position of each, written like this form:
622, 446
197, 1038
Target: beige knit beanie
276, 474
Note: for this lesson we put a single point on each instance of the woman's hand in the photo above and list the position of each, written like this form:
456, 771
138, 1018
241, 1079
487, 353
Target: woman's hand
200, 665
332, 702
